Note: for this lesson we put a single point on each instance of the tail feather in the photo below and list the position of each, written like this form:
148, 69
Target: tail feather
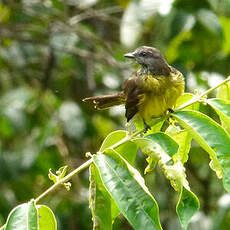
107, 101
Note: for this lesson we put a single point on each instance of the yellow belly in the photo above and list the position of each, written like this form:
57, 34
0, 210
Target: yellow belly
160, 94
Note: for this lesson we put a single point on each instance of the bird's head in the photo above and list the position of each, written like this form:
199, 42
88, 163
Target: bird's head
150, 58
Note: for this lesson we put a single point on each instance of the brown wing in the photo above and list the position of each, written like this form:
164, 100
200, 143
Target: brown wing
132, 92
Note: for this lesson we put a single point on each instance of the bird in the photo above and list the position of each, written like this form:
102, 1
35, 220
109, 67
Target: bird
150, 92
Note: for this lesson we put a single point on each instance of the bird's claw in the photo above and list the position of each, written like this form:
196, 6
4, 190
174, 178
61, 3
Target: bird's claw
170, 110
147, 127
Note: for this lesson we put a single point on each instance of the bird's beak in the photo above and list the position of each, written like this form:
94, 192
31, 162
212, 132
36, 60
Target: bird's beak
129, 55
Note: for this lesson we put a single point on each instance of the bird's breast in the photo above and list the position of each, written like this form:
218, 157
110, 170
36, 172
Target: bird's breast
159, 94
154, 84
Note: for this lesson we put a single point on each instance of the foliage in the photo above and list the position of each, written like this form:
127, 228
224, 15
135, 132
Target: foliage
117, 187
54, 53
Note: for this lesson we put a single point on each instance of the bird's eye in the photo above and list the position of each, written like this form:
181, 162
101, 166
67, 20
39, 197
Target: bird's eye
143, 54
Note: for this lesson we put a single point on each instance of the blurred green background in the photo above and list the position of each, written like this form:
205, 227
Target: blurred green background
53, 53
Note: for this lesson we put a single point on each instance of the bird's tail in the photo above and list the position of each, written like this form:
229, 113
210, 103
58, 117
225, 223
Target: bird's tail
107, 101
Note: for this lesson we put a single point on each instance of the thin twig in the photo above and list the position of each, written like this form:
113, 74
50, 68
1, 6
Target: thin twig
95, 13
83, 166
130, 137
96, 56
65, 179
126, 139
197, 98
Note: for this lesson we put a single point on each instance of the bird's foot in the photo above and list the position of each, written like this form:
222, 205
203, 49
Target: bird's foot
170, 110
147, 127
170, 119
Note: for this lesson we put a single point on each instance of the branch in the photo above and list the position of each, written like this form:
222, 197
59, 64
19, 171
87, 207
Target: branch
65, 179
104, 13
124, 140
197, 98
103, 57
84, 166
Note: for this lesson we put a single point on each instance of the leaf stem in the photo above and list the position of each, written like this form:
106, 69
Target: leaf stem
197, 98
65, 179
83, 166
126, 139
129, 137
3, 227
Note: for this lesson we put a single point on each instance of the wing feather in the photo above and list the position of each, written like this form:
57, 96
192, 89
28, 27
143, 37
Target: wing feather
133, 92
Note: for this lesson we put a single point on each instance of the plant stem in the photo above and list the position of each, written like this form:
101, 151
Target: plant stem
129, 137
87, 164
65, 179
215, 87
83, 166
197, 98
126, 139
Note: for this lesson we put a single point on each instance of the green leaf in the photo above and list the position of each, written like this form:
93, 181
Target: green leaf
152, 161
168, 145
211, 137
100, 202
188, 203
138, 123
152, 150
222, 107
185, 98
157, 146
60, 174
32, 216
155, 124
127, 188
112, 139
187, 206
163, 145
160, 143
52, 176
23, 217
183, 138
46, 220
127, 150
223, 92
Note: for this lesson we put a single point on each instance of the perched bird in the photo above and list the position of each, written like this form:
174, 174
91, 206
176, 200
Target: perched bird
150, 92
